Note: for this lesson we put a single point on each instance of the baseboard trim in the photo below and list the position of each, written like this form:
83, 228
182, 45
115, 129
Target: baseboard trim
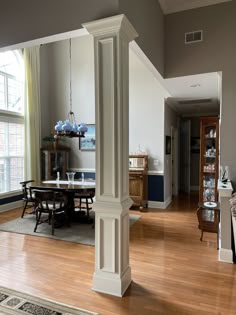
159, 204
11, 205
194, 188
225, 255
168, 201
154, 172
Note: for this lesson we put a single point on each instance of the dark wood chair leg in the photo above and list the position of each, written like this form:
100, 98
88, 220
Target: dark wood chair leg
23, 212
38, 215
87, 207
52, 221
201, 235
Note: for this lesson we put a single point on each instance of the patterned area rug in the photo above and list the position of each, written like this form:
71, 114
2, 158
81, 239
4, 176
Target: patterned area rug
82, 233
14, 303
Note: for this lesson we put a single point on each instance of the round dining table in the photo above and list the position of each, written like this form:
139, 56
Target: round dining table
70, 189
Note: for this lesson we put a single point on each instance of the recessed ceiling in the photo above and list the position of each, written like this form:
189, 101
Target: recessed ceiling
195, 94
171, 6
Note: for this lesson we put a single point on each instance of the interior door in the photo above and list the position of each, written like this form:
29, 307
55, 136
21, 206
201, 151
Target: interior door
185, 130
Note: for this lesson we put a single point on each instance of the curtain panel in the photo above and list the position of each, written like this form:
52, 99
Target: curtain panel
32, 113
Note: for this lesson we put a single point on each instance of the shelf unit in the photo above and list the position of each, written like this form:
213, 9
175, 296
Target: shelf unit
209, 158
54, 158
138, 183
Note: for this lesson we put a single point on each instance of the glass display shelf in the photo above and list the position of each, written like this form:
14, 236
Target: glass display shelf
209, 151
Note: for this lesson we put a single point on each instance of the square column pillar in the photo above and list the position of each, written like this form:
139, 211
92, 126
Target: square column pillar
111, 52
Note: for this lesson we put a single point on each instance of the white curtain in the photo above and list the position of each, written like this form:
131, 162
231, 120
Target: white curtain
32, 113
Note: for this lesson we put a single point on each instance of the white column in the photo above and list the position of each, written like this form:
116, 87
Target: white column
225, 246
111, 49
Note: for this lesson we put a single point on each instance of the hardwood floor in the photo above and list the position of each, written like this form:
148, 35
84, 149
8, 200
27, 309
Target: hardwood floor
172, 271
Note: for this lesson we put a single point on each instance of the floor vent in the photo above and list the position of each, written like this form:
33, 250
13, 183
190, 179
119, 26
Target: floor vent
193, 37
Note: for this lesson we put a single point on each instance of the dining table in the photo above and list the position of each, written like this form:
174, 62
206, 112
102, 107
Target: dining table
69, 188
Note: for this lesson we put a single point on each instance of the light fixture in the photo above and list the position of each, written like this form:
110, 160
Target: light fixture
70, 128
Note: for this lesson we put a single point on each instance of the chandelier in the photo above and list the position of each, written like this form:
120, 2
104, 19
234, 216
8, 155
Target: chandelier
70, 128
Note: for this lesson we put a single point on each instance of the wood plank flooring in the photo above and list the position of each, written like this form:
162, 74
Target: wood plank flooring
173, 272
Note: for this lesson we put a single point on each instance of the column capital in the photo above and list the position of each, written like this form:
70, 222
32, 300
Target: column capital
111, 25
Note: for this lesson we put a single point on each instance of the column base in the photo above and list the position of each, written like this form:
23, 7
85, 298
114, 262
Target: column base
225, 255
112, 284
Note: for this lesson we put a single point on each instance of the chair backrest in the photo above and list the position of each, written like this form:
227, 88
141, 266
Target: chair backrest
49, 199
26, 190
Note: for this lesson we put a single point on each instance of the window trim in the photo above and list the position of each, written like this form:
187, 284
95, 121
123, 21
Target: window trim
12, 117
8, 116
12, 193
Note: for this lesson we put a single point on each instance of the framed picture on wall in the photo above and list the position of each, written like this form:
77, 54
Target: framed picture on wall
168, 144
88, 143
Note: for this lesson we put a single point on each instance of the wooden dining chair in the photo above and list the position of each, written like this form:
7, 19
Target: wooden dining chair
28, 197
49, 204
85, 201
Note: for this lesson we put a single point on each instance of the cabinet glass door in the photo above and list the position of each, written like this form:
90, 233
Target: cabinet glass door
209, 159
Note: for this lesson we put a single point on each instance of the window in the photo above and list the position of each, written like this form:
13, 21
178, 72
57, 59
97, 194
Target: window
11, 121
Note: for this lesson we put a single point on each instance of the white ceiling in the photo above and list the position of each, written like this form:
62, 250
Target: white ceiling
200, 93
171, 6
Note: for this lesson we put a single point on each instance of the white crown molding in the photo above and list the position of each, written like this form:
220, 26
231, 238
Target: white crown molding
143, 58
111, 24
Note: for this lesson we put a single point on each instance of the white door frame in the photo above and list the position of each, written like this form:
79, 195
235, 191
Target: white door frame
174, 161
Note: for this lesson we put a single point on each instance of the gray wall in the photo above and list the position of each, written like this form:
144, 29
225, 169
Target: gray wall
25, 20
148, 20
216, 53
55, 91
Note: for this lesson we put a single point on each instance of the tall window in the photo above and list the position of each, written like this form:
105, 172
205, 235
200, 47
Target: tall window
11, 121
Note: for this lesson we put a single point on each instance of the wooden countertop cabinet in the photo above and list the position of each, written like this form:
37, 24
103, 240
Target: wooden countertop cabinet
138, 180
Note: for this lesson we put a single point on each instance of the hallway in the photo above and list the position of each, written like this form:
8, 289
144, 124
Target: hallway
172, 271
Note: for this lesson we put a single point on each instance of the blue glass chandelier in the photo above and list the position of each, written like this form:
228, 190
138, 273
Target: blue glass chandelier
70, 128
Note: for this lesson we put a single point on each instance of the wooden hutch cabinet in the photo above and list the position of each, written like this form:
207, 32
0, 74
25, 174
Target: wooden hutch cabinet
54, 158
209, 159
138, 181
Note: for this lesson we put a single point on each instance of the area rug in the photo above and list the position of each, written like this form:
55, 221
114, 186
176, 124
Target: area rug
82, 233
14, 303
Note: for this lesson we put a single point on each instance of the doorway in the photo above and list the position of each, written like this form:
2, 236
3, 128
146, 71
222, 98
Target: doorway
185, 134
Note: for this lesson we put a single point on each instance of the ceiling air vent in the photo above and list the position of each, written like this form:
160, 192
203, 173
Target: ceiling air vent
193, 37
196, 101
